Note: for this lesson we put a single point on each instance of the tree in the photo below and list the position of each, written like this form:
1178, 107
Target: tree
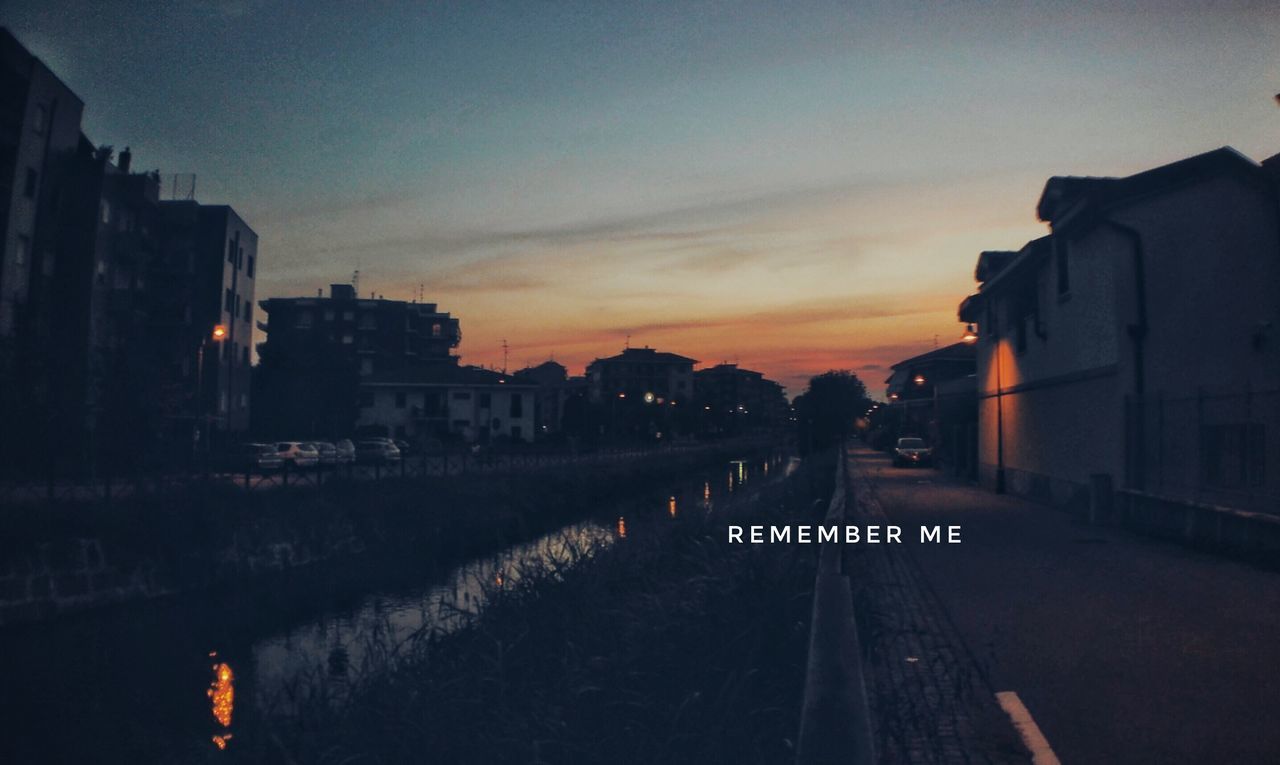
826, 411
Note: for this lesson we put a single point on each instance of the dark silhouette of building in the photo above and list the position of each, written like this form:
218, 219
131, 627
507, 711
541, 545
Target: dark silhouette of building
319, 351
732, 400
1136, 345
642, 392
205, 279
554, 389
932, 395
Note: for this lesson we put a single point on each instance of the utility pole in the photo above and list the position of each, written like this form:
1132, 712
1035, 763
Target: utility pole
504, 355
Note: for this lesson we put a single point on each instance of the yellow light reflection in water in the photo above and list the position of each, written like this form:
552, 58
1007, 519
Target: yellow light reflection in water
730, 481
222, 694
622, 527
706, 491
671, 506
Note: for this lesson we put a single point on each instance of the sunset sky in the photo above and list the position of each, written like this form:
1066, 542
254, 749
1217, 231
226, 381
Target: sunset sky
794, 186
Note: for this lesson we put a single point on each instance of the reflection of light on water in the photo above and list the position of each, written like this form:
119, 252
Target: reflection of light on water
383, 624
222, 694
766, 467
671, 506
622, 527
706, 491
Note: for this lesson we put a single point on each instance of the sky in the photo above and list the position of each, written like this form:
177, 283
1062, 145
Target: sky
794, 186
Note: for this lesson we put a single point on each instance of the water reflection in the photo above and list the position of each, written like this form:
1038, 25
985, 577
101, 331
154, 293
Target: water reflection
622, 527
222, 695
671, 506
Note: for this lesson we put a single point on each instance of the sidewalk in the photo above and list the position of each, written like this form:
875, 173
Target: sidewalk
1122, 648
930, 703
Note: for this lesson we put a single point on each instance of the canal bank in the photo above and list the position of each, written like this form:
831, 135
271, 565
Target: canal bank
71, 557
129, 684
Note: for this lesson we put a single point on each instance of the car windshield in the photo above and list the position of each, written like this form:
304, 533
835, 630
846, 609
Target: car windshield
910, 443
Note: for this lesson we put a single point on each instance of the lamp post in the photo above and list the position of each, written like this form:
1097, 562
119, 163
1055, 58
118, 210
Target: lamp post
217, 335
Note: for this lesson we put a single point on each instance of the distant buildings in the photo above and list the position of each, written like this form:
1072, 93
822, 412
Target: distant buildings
932, 395
731, 399
1136, 345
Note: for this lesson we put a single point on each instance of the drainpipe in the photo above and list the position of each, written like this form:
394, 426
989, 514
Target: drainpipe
1138, 334
1000, 486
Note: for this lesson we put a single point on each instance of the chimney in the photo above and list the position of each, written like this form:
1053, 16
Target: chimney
126, 157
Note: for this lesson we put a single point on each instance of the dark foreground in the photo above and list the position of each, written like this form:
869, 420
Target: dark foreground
1123, 648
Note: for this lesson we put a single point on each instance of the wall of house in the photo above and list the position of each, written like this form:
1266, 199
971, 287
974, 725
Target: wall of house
1212, 347
1062, 411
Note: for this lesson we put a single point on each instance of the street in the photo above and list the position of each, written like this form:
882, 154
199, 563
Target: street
1124, 649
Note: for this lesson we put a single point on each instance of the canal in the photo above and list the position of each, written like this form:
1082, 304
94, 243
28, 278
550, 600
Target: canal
172, 681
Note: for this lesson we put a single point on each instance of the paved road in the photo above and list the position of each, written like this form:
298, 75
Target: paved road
1124, 649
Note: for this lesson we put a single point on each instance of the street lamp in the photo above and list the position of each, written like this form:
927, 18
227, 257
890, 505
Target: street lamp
970, 334
217, 335
919, 380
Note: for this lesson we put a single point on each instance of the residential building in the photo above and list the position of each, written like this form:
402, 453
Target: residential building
319, 351
639, 371
553, 388
643, 393
1136, 345
447, 403
206, 279
733, 400
932, 395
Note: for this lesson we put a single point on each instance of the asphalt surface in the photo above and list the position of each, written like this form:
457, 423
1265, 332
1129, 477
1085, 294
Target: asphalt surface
1124, 649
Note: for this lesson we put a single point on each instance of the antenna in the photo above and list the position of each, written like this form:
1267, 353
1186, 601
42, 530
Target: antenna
504, 355
355, 281
628, 346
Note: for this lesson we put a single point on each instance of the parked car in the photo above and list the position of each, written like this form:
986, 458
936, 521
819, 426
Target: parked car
346, 451
405, 447
376, 450
299, 453
260, 458
911, 451
327, 451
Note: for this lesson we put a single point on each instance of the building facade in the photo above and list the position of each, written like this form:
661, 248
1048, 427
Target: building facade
448, 403
319, 351
730, 399
1137, 342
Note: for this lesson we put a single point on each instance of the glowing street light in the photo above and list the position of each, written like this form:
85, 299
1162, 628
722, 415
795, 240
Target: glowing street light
219, 333
970, 334
919, 380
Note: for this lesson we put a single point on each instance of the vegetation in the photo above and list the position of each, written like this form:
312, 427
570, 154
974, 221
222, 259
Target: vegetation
826, 411
670, 646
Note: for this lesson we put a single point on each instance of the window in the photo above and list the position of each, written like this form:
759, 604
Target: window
436, 329
1064, 266
348, 339
366, 366
24, 249
248, 310
302, 320
348, 315
368, 321
400, 400
250, 269
29, 187
229, 302
517, 405
328, 315
231, 251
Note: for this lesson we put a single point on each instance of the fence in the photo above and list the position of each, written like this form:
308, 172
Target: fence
438, 464
1215, 448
